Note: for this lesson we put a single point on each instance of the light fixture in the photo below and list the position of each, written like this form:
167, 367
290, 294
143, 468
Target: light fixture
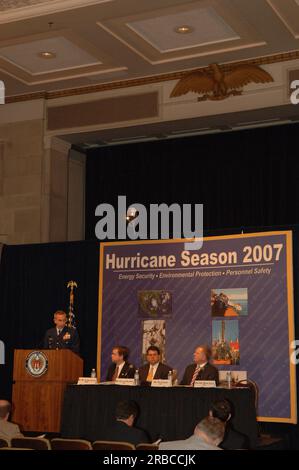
183, 29
132, 213
47, 55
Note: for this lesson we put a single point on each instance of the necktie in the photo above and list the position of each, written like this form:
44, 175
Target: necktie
197, 369
150, 374
59, 331
115, 375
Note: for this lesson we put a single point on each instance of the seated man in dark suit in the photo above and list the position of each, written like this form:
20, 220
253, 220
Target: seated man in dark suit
154, 369
120, 367
201, 369
62, 336
222, 410
123, 430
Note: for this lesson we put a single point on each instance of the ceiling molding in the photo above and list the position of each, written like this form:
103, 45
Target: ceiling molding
287, 12
246, 35
271, 59
222, 47
12, 51
21, 9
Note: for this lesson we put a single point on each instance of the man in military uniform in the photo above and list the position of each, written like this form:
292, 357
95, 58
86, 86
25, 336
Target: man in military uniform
62, 336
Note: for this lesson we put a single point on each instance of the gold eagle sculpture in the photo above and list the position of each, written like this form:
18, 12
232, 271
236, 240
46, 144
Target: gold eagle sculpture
216, 84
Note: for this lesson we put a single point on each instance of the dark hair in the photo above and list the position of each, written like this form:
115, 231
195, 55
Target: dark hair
4, 409
124, 409
122, 351
153, 348
221, 409
207, 350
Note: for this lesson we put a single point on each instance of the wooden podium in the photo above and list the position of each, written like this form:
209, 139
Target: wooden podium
37, 400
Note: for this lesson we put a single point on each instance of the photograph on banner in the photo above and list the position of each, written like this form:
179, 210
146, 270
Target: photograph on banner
229, 302
154, 303
225, 342
153, 334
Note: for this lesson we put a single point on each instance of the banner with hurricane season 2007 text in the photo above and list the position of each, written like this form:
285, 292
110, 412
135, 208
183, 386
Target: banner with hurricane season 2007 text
235, 294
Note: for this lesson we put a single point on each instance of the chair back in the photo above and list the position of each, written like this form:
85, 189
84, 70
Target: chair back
14, 448
70, 444
145, 446
34, 443
253, 387
112, 445
4, 443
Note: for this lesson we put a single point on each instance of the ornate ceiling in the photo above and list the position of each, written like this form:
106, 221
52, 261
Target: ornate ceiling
9, 4
101, 41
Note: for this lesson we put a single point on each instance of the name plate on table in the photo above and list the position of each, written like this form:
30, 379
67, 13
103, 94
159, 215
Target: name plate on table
236, 375
125, 382
160, 383
204, 384
87, 381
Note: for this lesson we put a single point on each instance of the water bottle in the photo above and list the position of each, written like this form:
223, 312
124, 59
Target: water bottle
136, 377
175, 381
93, 373
170, 378
229, 379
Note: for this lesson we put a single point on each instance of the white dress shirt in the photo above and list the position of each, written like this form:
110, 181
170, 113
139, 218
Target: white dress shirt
120, 366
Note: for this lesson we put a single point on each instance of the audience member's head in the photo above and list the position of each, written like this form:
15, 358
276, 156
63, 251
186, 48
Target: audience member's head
126, 411
5, 409
120, 354
221, 409
210, 430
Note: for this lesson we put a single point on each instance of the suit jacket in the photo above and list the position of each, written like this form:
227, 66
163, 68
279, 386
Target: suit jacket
121, 432
192, 443
161, 372
54, 341
209, 372
127, 371
9, 430
234, 439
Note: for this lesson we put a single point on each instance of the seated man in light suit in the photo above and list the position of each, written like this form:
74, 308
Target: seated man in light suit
207, 436
8, 430
62, 336
201, 369
154, 369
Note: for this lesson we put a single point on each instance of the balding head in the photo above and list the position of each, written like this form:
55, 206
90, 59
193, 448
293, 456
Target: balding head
5, 409
211, 430
202, 354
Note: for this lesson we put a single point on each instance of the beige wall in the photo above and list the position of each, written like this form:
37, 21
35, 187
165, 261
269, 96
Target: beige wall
58, 196
41, 186
76, 196
20, 181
